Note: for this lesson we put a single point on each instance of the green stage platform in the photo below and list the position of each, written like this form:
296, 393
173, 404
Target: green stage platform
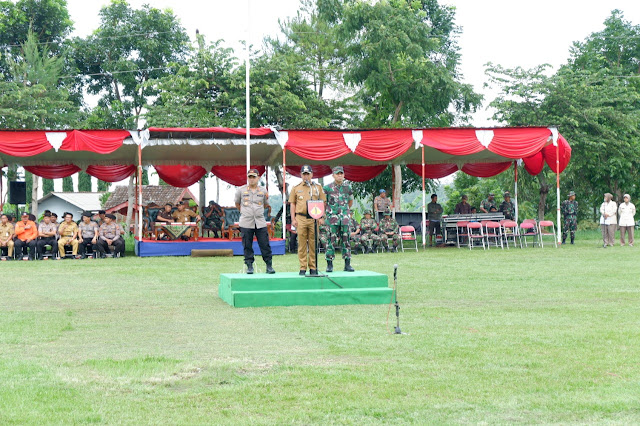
289, 289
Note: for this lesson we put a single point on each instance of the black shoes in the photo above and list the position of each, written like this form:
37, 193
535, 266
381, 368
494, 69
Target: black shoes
270, 269
329, 265
347, 266
313, 272
303, 272
249, 268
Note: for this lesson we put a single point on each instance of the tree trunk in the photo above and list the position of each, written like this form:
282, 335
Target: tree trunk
131, 200
544, 191
397, 188
34, 194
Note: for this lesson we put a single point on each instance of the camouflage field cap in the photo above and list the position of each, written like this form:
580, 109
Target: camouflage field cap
367, 212
571, 193
337, 169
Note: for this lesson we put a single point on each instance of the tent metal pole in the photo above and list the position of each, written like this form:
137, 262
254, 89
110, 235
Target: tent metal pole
515, 191
424, 200
558, 192
139, 193
247, 88
284, 194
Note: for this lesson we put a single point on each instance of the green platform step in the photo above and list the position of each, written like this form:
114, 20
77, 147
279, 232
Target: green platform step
289, 289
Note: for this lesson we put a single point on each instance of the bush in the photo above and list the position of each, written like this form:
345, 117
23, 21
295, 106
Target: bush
587, 225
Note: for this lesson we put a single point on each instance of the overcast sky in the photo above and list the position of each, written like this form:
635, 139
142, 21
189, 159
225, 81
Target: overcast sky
505, 32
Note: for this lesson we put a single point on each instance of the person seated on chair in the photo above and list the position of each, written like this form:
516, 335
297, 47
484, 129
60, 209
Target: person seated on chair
355, 236
389, 229
213, 217
165, 215
183, 215
68, 231
434, 215
368, 228
88, 236
26, 234
109, 235
506, 207
463, 207
7, 232
122, 235
46, 213
47, 233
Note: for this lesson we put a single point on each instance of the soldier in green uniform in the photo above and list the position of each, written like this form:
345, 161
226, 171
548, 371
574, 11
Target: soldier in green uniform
487, 203
389, 229
368, 229
354, 236
569, 209
506, 207
339, 202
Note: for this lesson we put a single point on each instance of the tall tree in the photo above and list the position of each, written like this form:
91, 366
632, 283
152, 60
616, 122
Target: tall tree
47, 186
67, 184
84, 182
131, 47
103, 186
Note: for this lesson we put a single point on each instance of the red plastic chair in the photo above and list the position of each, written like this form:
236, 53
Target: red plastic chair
474, 229
461, 232
546, 228
529, 228
408, 233
509, 230
493, 230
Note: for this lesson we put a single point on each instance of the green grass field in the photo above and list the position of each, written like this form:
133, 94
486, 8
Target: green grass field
528, 336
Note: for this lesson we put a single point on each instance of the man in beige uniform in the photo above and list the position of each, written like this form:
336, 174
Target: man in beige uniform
68, 232
6, 235
300, 194
251, 200
183, 215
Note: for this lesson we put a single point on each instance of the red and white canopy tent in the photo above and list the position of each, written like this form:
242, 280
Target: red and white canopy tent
182, 156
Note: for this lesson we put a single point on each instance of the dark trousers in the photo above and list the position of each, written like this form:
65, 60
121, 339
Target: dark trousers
118, 246
263, 242
43, 241
86, 247
21, 248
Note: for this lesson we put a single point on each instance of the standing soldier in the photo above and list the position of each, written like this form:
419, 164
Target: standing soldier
354, 235
389, 229
569, 209
488, 203
506, 207
251, 200
368, 229
305, 224
339, 202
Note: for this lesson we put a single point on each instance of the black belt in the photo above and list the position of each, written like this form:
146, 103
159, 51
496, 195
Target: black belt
304, 215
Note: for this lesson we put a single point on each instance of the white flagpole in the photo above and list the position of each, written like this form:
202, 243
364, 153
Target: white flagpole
247, 87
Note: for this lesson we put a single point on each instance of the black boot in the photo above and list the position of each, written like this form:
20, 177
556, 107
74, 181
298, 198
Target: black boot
313, 272
572, 238
347, 266
329, 265
564, 239
270, 269
249, 267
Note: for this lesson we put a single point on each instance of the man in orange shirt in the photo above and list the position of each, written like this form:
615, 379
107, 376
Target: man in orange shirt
26, 236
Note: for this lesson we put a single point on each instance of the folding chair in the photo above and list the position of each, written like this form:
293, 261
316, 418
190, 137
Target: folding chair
509, 230
493, 230
543, 231
475, 233
461, 232
528, 228
408, 233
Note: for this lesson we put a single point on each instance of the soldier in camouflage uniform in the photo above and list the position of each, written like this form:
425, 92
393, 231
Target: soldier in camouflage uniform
354, 236
368, 229
569, 209
506, 207
339, 201
389, 229
487, 203
324, 234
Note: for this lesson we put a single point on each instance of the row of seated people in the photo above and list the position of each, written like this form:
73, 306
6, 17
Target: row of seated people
83, 239
368, 236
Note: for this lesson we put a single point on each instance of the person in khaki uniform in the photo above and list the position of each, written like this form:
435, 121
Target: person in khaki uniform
305, 224
68, 232
251, 200
6, 235
183, 215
